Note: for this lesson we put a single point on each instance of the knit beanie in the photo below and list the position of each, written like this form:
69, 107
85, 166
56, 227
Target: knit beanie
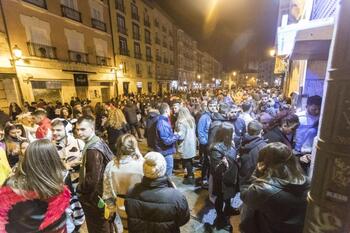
154, 165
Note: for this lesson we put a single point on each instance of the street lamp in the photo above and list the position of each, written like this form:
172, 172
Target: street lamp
272, 52
17, 52
198, 77
120, 68
234, 73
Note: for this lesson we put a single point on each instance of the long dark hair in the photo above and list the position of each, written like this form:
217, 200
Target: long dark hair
223, 135
280, 163
41, 170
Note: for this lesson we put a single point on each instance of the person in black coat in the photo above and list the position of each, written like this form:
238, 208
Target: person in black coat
130, 112
251, 145
239, 125
283, 130
276, 197
224, 170
154, 205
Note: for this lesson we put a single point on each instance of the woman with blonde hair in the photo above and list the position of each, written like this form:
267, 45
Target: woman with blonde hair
34, 199
115, 126
185, 127
121, 174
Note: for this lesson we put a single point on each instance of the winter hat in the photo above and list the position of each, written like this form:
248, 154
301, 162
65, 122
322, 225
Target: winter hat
154, 165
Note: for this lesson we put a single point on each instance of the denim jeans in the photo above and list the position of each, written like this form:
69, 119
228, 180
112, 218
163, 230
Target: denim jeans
169, 164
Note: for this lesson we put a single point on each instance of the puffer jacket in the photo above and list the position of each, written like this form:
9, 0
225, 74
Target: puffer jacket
154, 206
265, 200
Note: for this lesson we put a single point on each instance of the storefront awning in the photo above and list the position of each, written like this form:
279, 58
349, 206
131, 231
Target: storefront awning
313, 43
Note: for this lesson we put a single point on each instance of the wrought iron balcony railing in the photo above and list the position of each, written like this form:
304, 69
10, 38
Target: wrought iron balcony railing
70, 13
39, 50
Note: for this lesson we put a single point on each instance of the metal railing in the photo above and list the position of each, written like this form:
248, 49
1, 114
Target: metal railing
75, 56
124, 52
123, 30
39, 3
103, 61
148, 40
138, 55
135, 16
147, 23
98, 24
120, 6
39, 50
70, 13
136, 36
149, 57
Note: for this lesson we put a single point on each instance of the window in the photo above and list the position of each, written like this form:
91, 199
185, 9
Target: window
138, 68
146, 20
70, 3
134, 12
120, 5
137, 50
136, 31
148, 54
97, 14
149, 69
123, 46
121, 24
147, 37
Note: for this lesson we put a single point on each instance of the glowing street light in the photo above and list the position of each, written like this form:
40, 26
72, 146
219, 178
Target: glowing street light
198, 77
213, 79
17, 52
234, 73
272, 52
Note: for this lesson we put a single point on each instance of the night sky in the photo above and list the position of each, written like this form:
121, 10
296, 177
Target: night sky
233, 31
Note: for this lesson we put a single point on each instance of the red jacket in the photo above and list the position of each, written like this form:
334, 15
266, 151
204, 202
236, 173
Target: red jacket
44, 128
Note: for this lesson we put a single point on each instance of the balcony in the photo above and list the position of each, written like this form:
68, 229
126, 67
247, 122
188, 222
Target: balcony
138, 55
135, 16
124, 52
123, 30
78, 57
147, 23
159, 58
148, 40
98, 24
149, 57
120, 5
70, 13
103, 61
43, 51
157, 40
38, 3
136, 36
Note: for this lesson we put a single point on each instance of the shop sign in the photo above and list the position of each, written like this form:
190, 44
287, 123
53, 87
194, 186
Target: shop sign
81, 80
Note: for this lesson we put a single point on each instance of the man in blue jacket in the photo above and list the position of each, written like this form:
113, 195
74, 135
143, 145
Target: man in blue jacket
203, 131
165, 138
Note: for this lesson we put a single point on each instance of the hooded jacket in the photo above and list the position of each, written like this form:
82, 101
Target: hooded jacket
217, 120
249, 152
151, 128
278, 206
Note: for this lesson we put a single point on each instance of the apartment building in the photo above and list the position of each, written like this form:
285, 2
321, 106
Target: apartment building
66, 48
186, 53
164, 50
133, 46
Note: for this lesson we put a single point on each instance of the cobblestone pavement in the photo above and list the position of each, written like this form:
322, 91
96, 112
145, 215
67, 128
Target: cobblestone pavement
199, 204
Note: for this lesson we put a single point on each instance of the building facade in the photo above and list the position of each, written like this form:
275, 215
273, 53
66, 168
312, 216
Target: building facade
164, 50
66, 47
133, 46
94, 49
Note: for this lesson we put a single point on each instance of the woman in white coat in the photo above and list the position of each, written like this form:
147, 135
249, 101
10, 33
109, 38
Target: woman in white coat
185, 127
121, 174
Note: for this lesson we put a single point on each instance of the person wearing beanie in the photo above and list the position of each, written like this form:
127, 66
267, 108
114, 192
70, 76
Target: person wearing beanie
154, 205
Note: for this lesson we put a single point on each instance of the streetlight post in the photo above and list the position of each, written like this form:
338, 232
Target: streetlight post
120, 68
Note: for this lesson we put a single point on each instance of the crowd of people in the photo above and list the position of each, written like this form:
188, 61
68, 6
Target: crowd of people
64, 164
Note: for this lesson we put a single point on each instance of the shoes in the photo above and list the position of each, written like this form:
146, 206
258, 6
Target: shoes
189, 180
